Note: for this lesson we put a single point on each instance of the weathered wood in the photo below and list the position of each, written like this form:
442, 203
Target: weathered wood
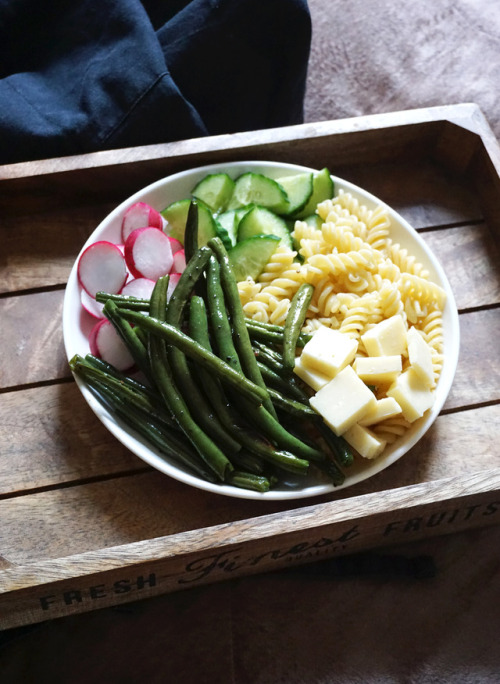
102, 516
147, 505
470, 257
39, 248
477, 379
180, 561
50, 436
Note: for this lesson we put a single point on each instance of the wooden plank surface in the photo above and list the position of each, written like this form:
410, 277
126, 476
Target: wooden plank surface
148, 505
64, 475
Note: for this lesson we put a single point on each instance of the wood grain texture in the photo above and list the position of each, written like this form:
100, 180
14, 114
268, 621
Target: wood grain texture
39, 247
51, 436
31, 339
97, 509
148, 505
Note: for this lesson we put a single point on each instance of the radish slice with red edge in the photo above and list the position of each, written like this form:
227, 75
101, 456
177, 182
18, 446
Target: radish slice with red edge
175, 244
106, 344
148, 253
138, 287
140, 215
179, 261
102, 267
173, 279
90, 305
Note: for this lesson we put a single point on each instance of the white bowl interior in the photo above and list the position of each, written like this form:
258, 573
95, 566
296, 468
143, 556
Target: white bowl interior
77, 325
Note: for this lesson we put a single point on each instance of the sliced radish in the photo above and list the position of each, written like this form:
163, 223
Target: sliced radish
148, 253
106, 344
102, 267
179, 261
138, 287
90, 305
175, 244
140, 215
173, 279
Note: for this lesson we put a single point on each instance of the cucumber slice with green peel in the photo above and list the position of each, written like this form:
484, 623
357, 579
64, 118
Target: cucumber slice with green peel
255, 188
262, 221
323, 189
215, 190
176, 216
230, 220
249, 257
299, 189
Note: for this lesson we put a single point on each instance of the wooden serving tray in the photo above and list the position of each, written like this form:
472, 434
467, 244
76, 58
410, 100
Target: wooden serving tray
85, 524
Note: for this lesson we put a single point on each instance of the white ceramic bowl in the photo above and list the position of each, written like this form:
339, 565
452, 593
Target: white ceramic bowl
77, 324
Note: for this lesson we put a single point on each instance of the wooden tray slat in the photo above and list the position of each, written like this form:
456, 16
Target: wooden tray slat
44, 432
34, 351
97, 515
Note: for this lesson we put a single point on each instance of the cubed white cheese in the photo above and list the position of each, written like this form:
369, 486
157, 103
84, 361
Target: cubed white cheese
311, 377
384, 408
328, 351
412, 395
366, 443
376, 370
420, 357
343, 401
387, 338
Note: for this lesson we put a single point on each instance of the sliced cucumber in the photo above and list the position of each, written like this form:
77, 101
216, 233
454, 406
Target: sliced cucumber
299, 189
249, 257
254, 188
216, 189
262, 221
176, 217
229, 220
322, 190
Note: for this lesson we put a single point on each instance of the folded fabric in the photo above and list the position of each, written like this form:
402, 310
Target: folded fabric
86, 76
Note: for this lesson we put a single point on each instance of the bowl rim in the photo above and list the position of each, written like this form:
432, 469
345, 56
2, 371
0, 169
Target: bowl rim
73, 316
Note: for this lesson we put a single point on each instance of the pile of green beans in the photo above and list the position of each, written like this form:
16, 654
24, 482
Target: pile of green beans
219, 395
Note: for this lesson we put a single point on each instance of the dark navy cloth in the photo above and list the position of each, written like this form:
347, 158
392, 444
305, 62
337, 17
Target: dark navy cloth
85, 75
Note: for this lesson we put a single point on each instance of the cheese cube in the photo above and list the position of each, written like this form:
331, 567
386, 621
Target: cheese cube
384, 408
387, 338
412, 395
377, 370
311, 377
366, 443
420, 357
343, 400
328, 351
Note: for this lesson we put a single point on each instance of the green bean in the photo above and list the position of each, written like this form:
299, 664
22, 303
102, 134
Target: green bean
270, 327
248, 461
287, 387
130, 339
294, 323
340, 448
200, 408
166, 442
107, 368
219, 321
191, 231
213, 456
290, 406
245, 480
134, 303
213, 363
136, 399
237, 318
257, 332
